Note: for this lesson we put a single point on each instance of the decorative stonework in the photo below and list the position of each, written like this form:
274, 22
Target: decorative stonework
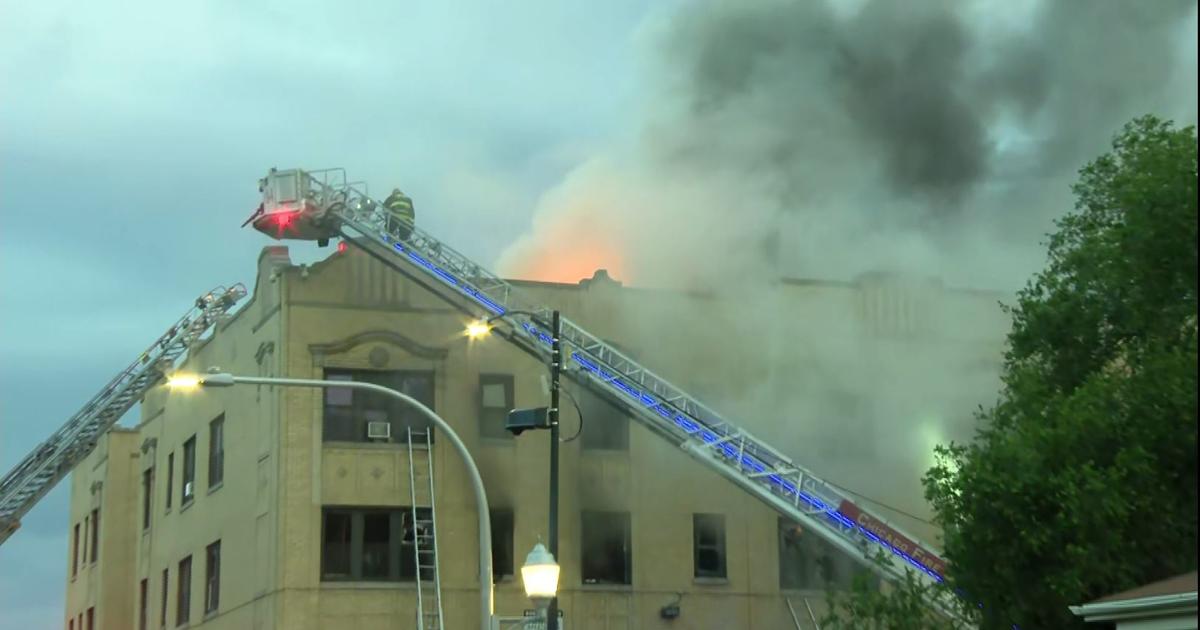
320, 351
379, 357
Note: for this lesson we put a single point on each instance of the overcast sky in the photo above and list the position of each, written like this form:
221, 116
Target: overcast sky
132, 134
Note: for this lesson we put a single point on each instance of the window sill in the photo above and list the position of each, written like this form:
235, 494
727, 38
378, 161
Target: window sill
183, 507
387, 446
220, 484
710, 581
618, 588
350, 585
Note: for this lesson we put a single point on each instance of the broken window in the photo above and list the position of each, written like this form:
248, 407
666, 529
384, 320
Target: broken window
360, 544
502, 543
607, 550
808, 562
605, 426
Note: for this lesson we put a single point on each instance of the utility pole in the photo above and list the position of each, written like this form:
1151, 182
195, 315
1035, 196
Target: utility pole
555, 372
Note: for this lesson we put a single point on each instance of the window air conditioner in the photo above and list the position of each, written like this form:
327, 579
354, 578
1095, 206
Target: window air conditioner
379, 430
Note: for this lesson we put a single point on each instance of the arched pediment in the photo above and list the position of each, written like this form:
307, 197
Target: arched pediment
408, 344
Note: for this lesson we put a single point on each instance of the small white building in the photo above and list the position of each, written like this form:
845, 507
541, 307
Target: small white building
1168, 604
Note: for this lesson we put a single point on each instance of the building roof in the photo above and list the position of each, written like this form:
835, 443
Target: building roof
1172, 596
1177, 585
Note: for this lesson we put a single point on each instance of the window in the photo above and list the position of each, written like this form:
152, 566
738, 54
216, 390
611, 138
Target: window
189, 471
347, 411
807, 562
147, 494
212, 577
708, 539
495, 401
87, 529
91, 618
95, 533
170, 476
502, 543
373, 544
162, 612
183, 596
605, 427
216, 451
75, 552
71, 624
143, 595
606, 548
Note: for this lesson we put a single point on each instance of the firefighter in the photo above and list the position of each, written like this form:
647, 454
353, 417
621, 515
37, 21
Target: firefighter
401, 215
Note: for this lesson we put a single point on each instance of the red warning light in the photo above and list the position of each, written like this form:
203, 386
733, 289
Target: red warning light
341, 248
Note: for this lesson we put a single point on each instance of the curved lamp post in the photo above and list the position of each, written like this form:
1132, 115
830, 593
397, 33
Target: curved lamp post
486, 585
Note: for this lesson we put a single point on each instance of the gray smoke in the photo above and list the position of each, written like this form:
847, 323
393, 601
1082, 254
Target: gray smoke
824, 141
934, 139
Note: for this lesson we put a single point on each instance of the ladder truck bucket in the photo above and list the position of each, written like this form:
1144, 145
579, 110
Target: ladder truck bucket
292, 208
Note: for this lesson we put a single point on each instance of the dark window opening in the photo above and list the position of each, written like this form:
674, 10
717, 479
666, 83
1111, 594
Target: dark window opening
502, 543
170, 477
495, 401
75, 552
348, 412
708, 532
808, 562
162, 612
147, 496
189, 471
212, 577
607, 552
95, 533
183, 596
91, 618
606, 427
216, 451
361, 544
143, 595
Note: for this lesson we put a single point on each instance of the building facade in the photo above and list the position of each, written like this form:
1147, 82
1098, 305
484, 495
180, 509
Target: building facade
265, 508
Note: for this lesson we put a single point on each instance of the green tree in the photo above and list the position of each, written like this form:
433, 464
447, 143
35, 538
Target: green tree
904, 606
1082, 479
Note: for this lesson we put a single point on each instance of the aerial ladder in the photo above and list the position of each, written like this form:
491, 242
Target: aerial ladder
319, 205
35, 475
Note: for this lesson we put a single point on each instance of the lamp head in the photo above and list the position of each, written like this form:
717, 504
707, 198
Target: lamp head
540, 575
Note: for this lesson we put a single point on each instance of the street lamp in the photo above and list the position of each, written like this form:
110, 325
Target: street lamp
215, 378
540, 575
482, 327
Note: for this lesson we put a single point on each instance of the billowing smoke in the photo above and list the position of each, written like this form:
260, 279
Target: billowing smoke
933, 139
822, 140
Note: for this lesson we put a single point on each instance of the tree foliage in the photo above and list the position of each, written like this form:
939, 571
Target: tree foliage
904, 607
1082, 479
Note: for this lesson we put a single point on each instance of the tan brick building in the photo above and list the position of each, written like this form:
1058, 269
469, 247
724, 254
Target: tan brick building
268, 508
